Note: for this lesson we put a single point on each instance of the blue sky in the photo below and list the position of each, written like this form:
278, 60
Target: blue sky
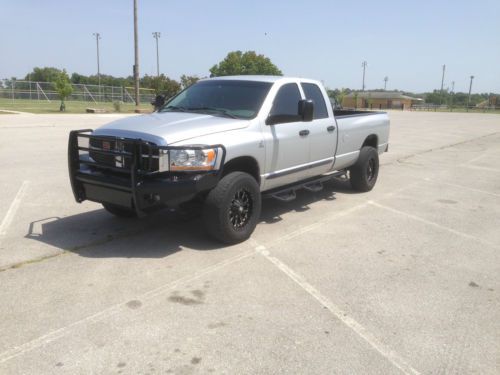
408, 41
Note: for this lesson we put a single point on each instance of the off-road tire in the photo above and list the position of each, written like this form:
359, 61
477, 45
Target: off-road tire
364, 173
119, 211
232, 209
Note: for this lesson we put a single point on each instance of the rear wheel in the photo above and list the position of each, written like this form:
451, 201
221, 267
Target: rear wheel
232, 208
119, 211
364, 173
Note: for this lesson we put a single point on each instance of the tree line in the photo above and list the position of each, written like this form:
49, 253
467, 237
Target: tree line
455, 99
235, 63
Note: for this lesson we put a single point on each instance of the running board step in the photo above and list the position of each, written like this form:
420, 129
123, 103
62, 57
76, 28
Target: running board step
314, 187
285, 196
314, 184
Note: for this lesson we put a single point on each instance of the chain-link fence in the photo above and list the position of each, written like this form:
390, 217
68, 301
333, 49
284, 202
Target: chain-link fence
31, 90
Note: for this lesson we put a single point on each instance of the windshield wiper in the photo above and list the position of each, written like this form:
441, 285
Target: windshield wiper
174, 108
222, 111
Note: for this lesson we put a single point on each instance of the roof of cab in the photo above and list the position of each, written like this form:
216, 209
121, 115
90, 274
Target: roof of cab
257, 78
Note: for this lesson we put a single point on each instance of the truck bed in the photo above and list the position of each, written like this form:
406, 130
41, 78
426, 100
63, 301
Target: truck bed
339, 113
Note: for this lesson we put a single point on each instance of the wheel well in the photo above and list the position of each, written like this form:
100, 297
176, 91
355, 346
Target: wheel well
243, 164
371, 141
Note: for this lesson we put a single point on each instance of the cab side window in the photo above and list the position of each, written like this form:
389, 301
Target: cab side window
314, 93
286, 102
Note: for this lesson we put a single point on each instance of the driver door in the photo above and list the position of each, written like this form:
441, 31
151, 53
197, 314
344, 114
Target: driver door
287, 142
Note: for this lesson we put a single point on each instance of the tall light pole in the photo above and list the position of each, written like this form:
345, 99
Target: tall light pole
156, 35
452, 93
470, 89
136, 60
97, 37
442, 83
385, 82
363, 65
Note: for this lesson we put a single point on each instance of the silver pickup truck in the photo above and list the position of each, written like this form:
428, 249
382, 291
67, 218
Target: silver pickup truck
221, 145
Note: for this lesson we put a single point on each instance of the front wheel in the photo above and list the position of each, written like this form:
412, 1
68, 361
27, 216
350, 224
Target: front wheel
364, 173
232, 208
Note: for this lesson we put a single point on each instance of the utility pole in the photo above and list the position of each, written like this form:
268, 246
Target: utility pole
97, 37
29, 80
136, 61
385, 82
442, 83
156, 35
452, 93
363, 65
470, 89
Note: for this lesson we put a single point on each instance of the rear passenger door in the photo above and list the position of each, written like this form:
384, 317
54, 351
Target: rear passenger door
323, 131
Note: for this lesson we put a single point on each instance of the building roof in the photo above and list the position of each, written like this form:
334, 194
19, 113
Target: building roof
380, 95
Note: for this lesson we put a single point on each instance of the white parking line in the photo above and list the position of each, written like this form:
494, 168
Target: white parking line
14, 206
480, 168
114, 309
341, 315
336, 215
479, 157
436, 225
461, 187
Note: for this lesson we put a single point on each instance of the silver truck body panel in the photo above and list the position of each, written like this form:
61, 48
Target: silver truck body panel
171, 127
352, 132
283, 156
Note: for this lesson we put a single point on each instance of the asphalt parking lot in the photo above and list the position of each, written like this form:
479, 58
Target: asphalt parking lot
404, 279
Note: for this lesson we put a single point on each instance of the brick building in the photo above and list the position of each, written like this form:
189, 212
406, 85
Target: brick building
379, 100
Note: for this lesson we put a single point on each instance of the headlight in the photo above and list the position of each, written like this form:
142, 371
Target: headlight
189, 160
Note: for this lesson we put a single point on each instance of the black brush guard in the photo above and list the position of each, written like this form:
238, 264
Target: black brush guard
134, 181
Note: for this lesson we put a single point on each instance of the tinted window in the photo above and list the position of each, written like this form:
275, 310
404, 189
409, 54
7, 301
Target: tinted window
287, 100
313, 92
241, 99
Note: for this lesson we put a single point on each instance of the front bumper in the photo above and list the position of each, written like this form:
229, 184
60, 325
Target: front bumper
133, 187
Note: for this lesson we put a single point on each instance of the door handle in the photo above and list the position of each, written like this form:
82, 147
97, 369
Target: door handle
330, 128
304, 133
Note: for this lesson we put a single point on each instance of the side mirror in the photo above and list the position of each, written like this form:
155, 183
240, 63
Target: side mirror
306, 109
158, 102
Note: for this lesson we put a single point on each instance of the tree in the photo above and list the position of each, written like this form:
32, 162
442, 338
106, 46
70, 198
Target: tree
161, 85
63, 88
45, 74
187, 81
78, 78
237, 62
356, 100
341, 95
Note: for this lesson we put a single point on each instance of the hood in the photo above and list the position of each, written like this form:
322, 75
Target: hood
169, 127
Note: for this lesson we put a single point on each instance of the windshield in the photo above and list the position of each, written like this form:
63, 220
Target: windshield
235, 99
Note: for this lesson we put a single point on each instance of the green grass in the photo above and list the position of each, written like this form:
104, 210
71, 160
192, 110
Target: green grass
35, 106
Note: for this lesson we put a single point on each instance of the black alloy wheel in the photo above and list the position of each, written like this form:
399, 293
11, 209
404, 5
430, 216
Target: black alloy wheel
240, 209
232, 209
363, 175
